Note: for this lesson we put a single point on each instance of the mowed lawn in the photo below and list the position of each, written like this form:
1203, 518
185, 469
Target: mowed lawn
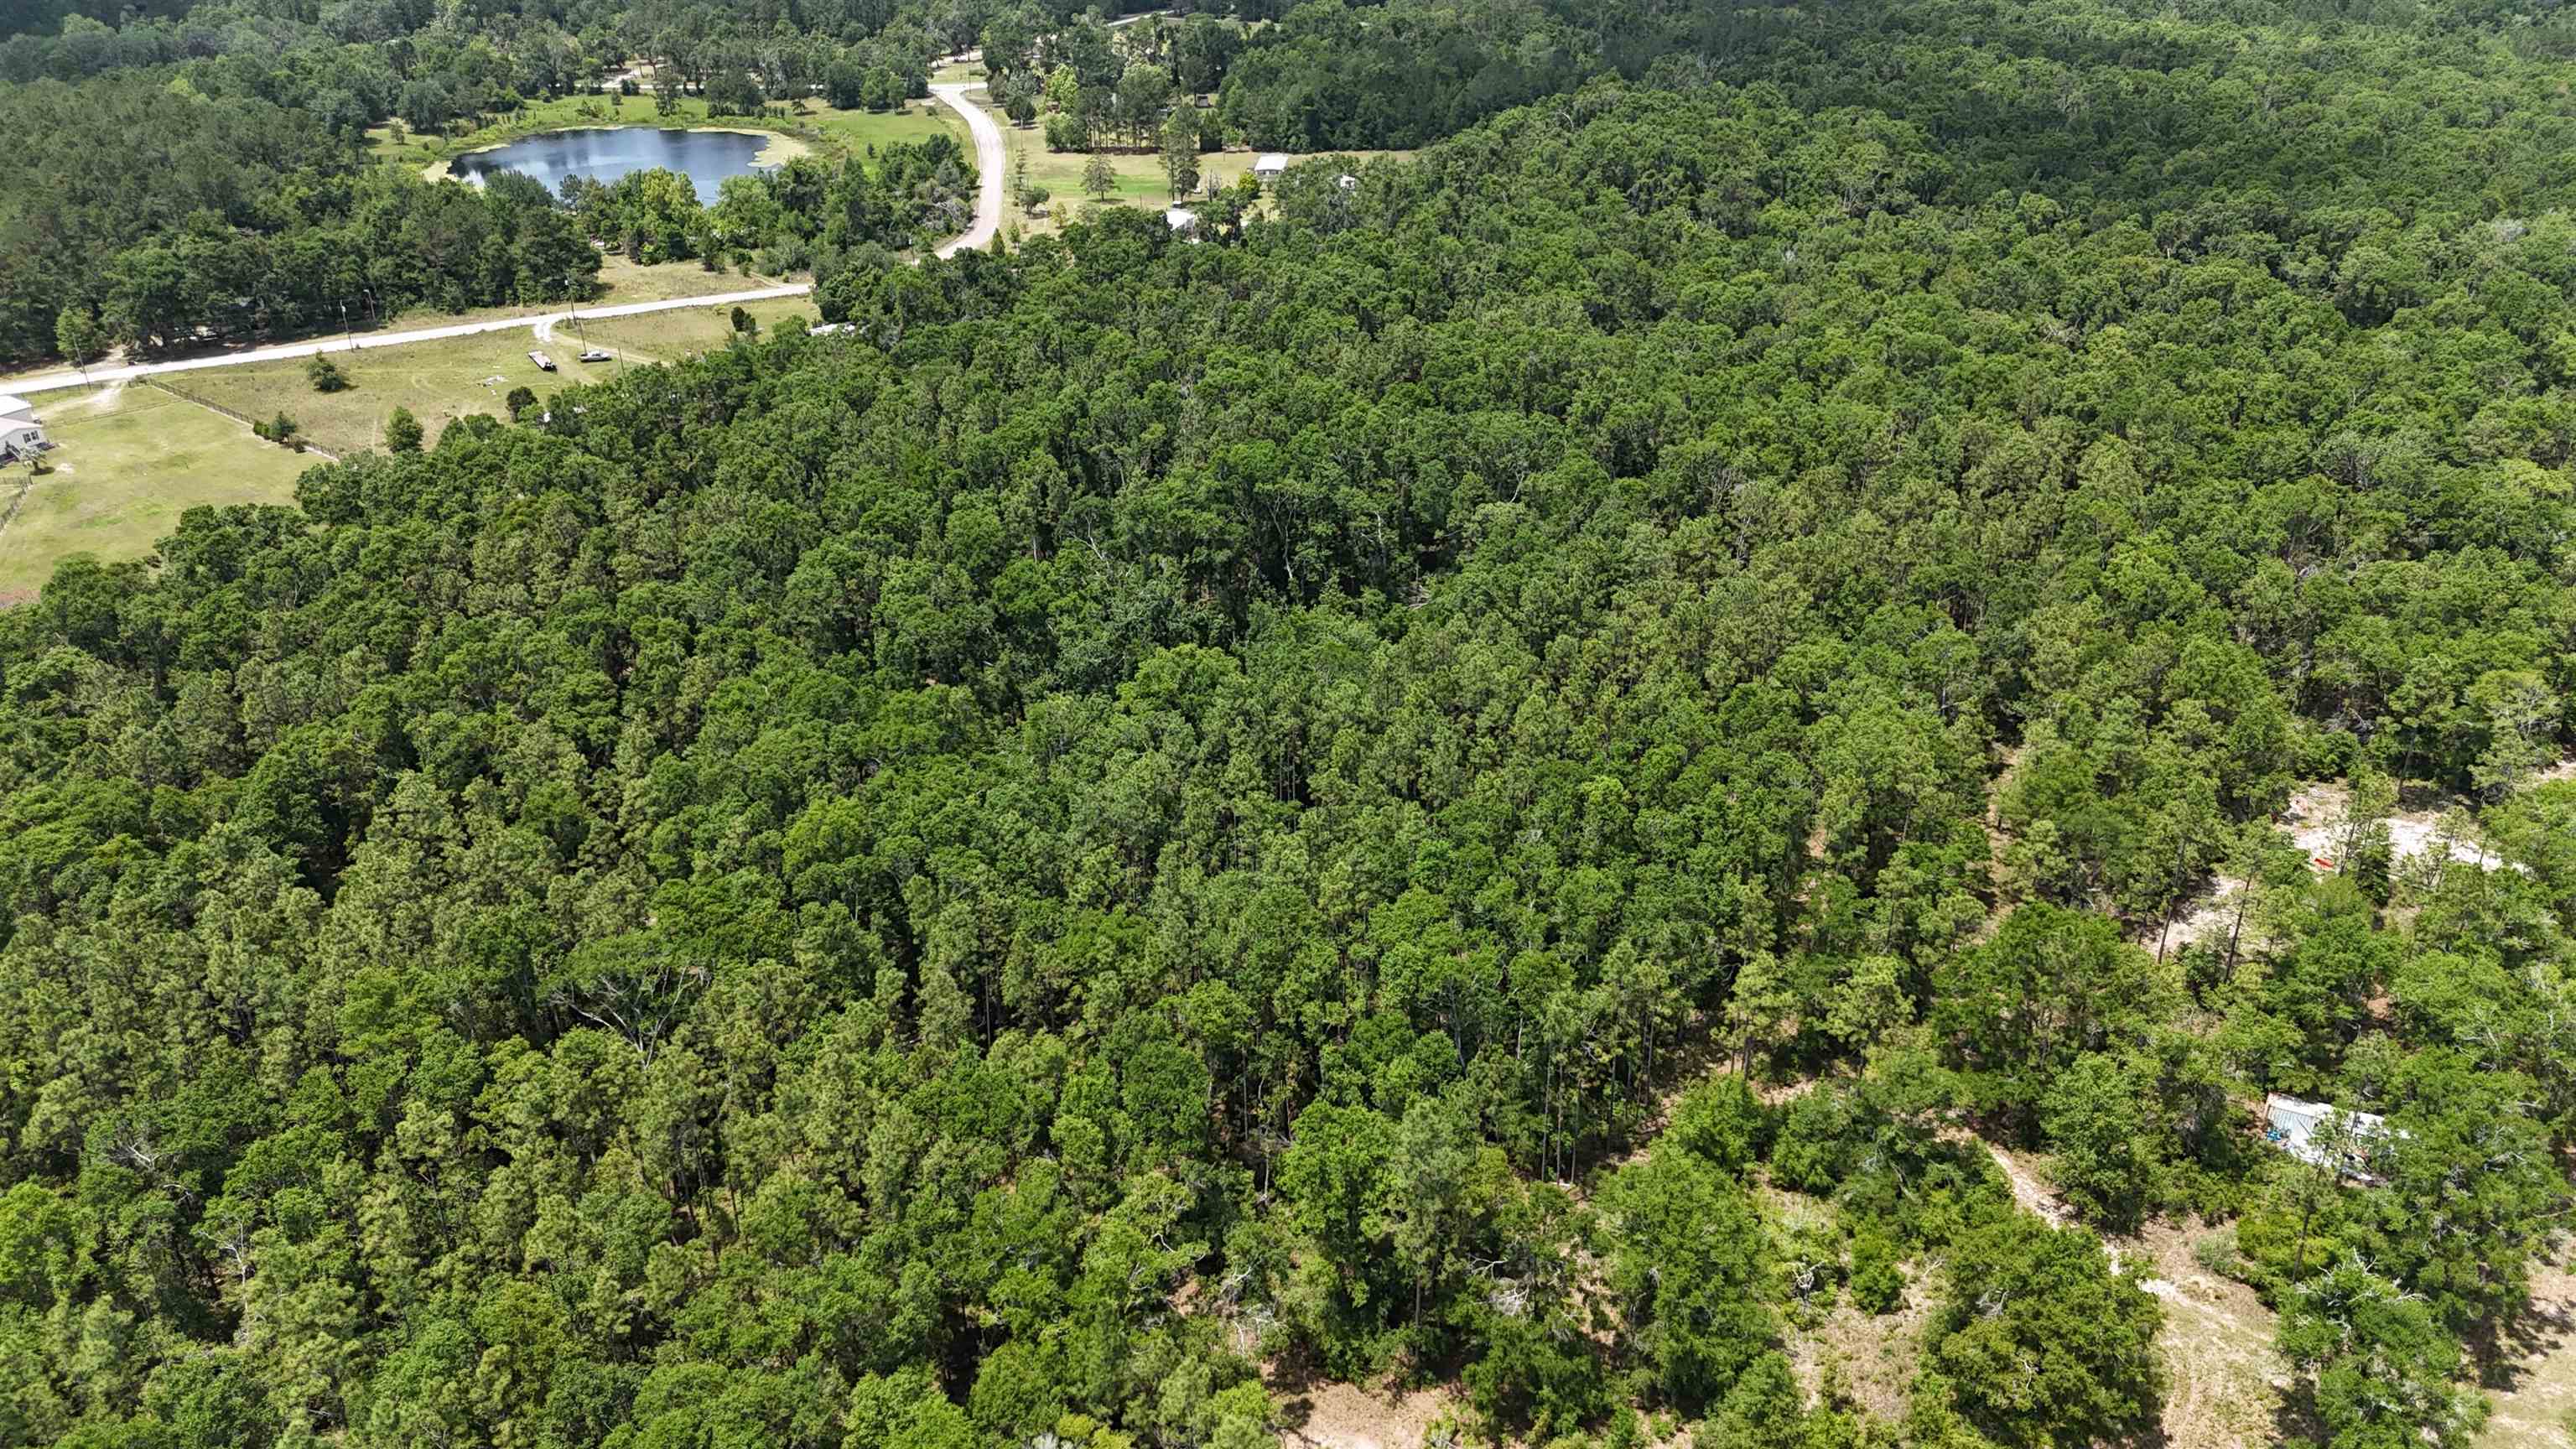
620, 281
627, 281
1141, 182
917, 121
439, 381
669, 336
128, 460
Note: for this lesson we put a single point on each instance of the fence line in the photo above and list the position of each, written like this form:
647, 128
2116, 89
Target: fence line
210, 404
26, 486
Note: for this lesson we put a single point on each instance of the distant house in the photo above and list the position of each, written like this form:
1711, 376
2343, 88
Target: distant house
1270, 167
2301, 1129
1181, 220
21, 436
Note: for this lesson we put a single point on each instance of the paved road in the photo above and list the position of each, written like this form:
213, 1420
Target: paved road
541, 328
989, 161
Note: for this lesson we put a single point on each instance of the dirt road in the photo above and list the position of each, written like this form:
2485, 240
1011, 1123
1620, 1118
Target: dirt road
989, 162
540, 327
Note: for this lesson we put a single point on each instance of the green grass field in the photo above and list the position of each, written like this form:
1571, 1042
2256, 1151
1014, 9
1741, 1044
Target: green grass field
439, 381
127, 461
669, 336
620, 281
627, 281
445, 380
1141, 182
858, 130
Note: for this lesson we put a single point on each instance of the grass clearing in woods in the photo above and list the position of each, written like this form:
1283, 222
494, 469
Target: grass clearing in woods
130, 457
1141, 182
2535, 1405
440, 381
626, 281
620, 281
128, 460
669, 336
917, 121
2223, 1377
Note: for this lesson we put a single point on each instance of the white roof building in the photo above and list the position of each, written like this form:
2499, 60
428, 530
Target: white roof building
1270, 164
1181, 219
20, 434
2298, 1127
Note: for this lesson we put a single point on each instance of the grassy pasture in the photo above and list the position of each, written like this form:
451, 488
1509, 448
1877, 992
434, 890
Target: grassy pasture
128, 460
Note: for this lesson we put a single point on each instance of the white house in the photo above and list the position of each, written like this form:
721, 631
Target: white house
1269, 167
21, 436
1182, 220
2299, 1128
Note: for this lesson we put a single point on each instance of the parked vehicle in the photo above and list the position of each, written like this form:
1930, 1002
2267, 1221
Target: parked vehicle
543, 362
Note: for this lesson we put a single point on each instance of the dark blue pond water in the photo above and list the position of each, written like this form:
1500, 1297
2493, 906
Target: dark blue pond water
705, 157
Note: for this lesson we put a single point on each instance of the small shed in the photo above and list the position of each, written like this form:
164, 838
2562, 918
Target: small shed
1269, 166
2300, 1128
1181, 220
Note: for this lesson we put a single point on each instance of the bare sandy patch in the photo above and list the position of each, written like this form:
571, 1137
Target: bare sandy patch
2223, 1378
2314, 820
1875, 1354
2537, 1396
1332, 1415
2213, 916
2316, 815
2029, 1187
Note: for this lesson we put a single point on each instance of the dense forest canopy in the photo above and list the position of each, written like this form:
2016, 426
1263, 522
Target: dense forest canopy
1511, 772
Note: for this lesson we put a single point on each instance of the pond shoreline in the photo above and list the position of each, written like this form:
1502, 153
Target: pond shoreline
777, 149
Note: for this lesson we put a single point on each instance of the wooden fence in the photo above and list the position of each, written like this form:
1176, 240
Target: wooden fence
325, 454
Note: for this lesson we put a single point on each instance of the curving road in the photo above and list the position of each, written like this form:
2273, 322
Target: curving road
989, 162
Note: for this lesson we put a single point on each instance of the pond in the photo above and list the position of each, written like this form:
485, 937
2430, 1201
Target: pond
604, 154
